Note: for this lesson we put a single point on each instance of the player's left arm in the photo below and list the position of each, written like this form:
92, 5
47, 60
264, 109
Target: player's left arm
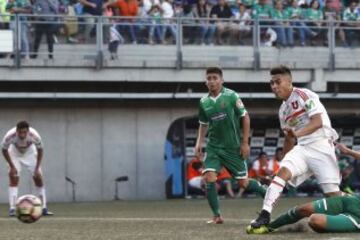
245, 123
245, 147
40, 150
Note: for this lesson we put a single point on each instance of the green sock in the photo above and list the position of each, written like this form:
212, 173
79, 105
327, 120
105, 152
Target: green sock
255, 186
289, 217
212, 197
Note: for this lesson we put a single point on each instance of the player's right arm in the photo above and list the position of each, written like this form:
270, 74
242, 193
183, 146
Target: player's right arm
347, 151
5, 146
203, 128
200, 140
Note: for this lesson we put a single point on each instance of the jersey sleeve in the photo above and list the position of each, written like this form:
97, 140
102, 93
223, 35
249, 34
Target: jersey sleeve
313, 105
239, 107
6, 142
203, 119
36, 139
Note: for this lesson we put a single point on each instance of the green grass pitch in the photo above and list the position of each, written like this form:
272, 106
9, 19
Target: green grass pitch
160, 220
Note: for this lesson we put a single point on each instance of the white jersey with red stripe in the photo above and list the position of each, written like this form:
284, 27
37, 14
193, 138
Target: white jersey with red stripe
297, 110
22, 145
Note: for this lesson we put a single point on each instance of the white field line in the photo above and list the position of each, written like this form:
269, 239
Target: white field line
137, 219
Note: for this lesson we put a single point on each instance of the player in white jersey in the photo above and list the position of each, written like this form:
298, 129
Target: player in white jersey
22, 147
304, 119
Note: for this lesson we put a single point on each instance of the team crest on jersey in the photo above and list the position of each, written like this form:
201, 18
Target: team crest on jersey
295, 105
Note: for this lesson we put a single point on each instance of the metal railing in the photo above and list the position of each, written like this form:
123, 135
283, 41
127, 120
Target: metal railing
101, 34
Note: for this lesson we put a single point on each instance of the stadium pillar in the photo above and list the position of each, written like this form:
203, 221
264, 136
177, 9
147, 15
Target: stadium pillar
318, 83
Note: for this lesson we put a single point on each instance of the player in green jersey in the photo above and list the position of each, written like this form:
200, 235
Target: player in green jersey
223, 115
334, 214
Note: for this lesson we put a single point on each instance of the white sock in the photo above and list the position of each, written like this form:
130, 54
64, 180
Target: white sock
13, 195
273, 193
42, 195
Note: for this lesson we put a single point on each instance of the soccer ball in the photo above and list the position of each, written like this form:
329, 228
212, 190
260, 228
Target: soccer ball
28, 208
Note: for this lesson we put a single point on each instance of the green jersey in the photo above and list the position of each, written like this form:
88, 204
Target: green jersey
262, 11
222, 114
312, 14
293, 13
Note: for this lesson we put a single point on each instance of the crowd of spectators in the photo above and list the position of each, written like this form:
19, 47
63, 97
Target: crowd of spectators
204, 21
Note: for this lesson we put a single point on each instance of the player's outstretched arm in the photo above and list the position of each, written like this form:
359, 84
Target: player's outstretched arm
347, 151
314, 124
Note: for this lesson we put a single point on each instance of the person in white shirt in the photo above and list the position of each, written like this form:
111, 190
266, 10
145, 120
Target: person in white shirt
168, 13
22, 147
304, 119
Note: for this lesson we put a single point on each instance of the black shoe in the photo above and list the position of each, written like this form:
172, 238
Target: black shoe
262, 220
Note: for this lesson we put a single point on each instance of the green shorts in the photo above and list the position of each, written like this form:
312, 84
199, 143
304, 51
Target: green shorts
343, 212
216, 158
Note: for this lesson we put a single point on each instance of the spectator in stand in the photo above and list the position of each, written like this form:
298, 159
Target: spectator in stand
154, 11
91, 9
48, 25
352, 15
189, 30
223, 12
315, 15
206, 28
243, 17
279, 154
168, 13
4, 15
194, 174
332, 13
264, 169
294, 13
267, 37
262, 11
224, 181
249, 4
20, 7
279, 16
129, 10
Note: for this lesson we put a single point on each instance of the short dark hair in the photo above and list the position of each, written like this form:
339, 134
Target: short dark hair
22, 125
281, 69
215, 70
262, 153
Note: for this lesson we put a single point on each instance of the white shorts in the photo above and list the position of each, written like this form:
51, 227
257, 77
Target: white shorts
196, 182
27, 159
318, 159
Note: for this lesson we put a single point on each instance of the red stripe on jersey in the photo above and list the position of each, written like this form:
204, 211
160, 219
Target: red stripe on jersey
276, 183
302, 94
295, 114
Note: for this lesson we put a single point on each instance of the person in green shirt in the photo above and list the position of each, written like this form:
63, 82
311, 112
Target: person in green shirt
294, 14
21, 7
314, 15
279, 16
328, 215
352, 18
223, 116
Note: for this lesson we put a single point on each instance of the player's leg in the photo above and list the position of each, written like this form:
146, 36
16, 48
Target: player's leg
336, 214
232, 160
323, 163
212, 167
13, 181
292, 165
326, 223
30, 162
289, 217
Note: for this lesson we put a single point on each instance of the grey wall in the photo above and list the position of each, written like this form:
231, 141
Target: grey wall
93, 146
